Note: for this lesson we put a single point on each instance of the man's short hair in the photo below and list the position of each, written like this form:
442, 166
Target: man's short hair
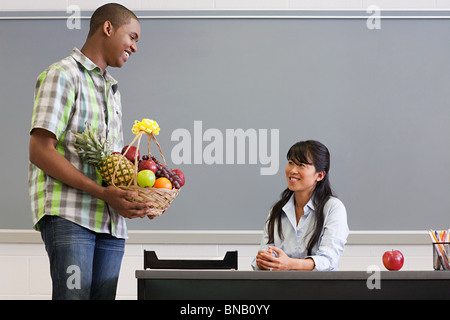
116, 13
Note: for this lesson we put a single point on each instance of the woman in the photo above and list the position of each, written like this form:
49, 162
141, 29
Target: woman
307, 228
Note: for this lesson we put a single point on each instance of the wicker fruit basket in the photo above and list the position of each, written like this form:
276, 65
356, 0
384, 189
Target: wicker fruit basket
160, 198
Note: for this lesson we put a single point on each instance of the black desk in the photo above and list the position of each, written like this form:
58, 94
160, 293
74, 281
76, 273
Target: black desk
289, 285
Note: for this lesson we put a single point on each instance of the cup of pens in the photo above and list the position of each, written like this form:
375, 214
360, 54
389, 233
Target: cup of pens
441, 243
440, 256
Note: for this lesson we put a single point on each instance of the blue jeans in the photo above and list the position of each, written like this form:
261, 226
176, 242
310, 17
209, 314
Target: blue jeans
83, 264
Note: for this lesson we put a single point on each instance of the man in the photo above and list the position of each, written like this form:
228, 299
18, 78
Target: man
82, 223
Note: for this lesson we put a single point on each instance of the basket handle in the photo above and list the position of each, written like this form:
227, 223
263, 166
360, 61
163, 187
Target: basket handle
138, 137
149, 138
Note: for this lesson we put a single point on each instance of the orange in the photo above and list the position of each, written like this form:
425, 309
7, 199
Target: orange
163, 183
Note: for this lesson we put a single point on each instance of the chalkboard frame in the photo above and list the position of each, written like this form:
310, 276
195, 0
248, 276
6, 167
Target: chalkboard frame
362, 16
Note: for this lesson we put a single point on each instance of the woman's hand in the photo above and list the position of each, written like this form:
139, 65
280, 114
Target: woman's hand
266, 260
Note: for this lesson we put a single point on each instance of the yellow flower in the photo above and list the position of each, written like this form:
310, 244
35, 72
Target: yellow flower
147, 125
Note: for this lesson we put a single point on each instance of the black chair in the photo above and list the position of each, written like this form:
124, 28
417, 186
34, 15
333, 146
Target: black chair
230, 261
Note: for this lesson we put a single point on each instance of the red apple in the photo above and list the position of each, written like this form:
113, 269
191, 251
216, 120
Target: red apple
131, 153
180, 175
393, 260
147, 165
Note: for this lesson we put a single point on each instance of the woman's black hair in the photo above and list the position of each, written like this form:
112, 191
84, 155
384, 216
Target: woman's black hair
304, 152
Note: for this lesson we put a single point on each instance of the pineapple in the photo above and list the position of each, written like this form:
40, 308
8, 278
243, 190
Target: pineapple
96, 151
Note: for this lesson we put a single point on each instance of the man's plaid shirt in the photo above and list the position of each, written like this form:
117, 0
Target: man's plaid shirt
68, 94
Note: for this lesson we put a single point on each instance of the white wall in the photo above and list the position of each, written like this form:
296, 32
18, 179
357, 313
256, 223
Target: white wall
26, 5
24, 267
